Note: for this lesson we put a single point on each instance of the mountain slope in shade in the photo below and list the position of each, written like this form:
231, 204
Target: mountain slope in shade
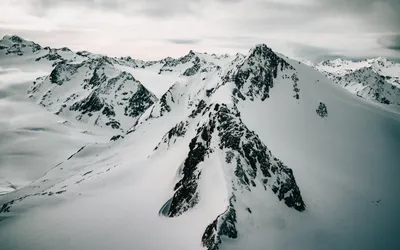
373, 79
257, 152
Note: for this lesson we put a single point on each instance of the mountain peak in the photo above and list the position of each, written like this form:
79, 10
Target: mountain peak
13, 38
260, 48
256, 73
186, 58
380, 60
264, 53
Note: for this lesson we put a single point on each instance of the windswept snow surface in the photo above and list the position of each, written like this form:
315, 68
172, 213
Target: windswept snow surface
32, 139
235, 153
346, 165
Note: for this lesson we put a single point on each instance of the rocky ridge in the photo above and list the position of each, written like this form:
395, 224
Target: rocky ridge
215, 128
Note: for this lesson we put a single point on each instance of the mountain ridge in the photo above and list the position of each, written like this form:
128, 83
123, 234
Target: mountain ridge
374, 79
229, 152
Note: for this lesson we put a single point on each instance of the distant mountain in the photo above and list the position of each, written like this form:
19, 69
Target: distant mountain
94, 92
14, 46
83, 85
373, 79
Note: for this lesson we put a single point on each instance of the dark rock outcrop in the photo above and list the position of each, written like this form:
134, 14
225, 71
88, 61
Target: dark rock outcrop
322, 111
255, 75
140, 101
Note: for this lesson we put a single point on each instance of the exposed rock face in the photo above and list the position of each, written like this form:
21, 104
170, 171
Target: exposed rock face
198, 109
322, 110
53, 55
170, 64
255, 75
186, 194
140, 101
246, 154
116, 137
164, 105
15, 39
62, 72
90, 104
173, 134
223, 225
194, 69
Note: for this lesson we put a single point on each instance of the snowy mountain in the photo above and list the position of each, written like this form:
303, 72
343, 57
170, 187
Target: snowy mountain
373, 79
93, 91
13, 47
83, 85
214, 131
254, 151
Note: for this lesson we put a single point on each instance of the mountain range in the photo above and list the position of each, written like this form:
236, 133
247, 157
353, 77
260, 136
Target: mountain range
205, 151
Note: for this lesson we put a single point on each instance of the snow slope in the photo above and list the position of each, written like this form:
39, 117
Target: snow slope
373, 79
158, 76
29, 134
253, 151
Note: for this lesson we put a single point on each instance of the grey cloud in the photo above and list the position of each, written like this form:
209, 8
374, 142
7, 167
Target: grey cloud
390, 42
238, 39
388, 9
154, 8
240, 42
377, 14
184, 41
313, 53
254, 19
42, 7
383, 14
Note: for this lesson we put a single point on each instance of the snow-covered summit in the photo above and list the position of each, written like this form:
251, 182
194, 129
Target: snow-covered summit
18, 46
12, 39
341, 66
16, 51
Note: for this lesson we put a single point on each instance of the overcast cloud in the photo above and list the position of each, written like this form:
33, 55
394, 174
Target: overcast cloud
303, 29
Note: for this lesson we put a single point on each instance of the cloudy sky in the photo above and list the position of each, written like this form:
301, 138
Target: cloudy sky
153, 29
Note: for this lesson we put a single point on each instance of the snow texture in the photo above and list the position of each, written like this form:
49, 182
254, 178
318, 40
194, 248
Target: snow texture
205, 151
